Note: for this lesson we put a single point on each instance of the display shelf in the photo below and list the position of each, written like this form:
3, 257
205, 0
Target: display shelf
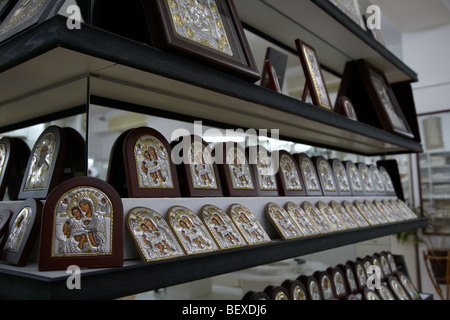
336, 38
137, 277
54, 69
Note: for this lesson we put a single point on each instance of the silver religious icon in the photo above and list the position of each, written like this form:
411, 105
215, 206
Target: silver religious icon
385, 293
19, 229
316, 215
366, 178
190, 231
385, 211
83, 224
370, 217
152, 235
344, 215
387, 181
222, 228
377, 213
406, 210
309, 173
409, 287
202, 171
283, 222
356, 215
394, 211
325, 284
266, 172
354, 178
398, 289
332, 217
239, 169
153, 163
248, 225
342, 180
326, 176
303, 221
290, 173
2, 158
378, 183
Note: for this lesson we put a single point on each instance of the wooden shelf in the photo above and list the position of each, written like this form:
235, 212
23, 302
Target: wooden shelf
137, 277
50, 68
336, 38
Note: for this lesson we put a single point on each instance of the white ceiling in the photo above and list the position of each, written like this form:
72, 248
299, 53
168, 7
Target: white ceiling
415, 15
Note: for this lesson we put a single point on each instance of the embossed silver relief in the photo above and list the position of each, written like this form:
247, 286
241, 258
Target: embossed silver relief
26, 10
42, 160
200, 21
290, 173
239, 169
202, 171
18, 231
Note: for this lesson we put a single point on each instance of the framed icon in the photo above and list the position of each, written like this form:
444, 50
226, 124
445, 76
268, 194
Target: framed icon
190, 231
370, 217
313, 288
360, 274
198, 172
385, 293
248, 225
326, 285
152, 235
394, 211
255, 296
345, 216
349, 277
278, 63
406, 210
14, 155
265, 169
5, 216
273, 82
319, 219
25, 14
399, 210
392, 262
346, 108
387, 180
20, 236
397, 289
309, 174
355, 178
378, 183
283, 222
326, 176
385, 264
332, 217
277, 293
366, 179
222, 228
408, 286
235, 172
302, 219
209, 32
338, 284
356, 215
289, 177
82, 225
383, 98
342, 179
374, 210
371, 295
385, 211
45, 164
315, 82
296, 289
150, 171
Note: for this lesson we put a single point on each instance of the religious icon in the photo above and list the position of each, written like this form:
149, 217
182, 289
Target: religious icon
344, 215
152, 235
309, 174
318, 218
265, 169
222, 228
377, 213
370, 217
20, 227
248, 225
326, 176
190, 230
283, 222
331, 216
303, 221
385, 211
356, 215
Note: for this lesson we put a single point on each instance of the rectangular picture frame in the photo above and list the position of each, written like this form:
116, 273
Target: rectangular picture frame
226, 46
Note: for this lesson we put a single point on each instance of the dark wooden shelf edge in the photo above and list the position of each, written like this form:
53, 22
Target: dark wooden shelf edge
342, 18
142, 277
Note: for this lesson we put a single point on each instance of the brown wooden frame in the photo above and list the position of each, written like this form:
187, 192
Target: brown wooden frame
320, 161
253, 158
74, 189
164, 36
299, 160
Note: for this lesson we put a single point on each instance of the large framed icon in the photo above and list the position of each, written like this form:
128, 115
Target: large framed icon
210, 32
82, 225
152, 235
198, 172
21, 234
150, 171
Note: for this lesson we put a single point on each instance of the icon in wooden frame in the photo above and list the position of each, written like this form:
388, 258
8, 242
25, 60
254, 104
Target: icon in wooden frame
45, 164
385, 293
385, 211
384, 100
370, 217
14, 155
325, 282
407, 210
377, 213
332, 217
313, 287
265, 169
360, 274
394, 211
350, 278
316, 215
150, 171
409, 286
344, 215
152, 235
272, 83
371, 295
21, 234
277, 293
315, 82
346, 108
82, 225
235, 172
309, 174
355, 178
210, 32
302, 219
397, 289
338, 284
248, 225
289, 179
342, 179
387, 180
283, 222
378, 183
326, 176
26, 14
222, 228
398, 209
296, 289
385, 264
366, 179
199, 172
190, 231
356, 215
